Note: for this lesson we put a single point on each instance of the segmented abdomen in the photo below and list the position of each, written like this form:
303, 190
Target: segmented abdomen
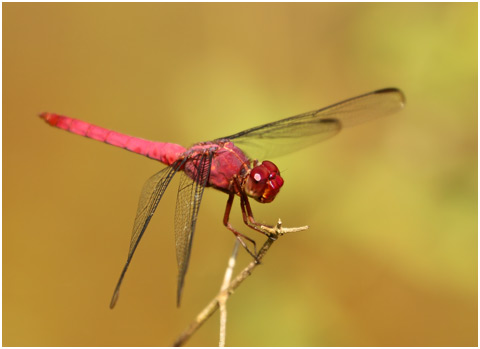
164, 152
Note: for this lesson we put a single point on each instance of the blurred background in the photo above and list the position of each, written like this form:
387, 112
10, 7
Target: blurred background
390, 258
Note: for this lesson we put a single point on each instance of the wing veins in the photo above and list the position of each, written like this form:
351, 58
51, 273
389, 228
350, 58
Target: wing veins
188, 204
152, 192
290, 134
393, 96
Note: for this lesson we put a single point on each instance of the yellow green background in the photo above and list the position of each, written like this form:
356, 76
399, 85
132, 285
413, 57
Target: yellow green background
390, 258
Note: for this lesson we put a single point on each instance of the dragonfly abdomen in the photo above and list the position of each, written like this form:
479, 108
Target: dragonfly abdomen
165, 152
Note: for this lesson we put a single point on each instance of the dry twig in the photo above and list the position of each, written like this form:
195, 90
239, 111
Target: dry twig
273, 233
223, 295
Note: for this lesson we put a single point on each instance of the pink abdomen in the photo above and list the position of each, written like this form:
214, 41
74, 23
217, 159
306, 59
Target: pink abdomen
164, 152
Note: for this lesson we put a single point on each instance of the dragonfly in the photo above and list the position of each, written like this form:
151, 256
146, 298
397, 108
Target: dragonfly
228, 164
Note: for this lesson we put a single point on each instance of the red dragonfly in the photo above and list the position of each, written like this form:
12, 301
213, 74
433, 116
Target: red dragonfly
223, 165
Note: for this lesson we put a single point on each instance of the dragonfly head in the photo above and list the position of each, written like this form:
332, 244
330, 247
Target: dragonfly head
263, 182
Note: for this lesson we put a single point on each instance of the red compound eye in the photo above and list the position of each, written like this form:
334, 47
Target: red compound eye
264, 182
259, 174
270, 166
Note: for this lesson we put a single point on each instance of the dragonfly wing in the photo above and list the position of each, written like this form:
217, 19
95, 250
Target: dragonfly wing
284, 140
186, 212
296, 132
151, 194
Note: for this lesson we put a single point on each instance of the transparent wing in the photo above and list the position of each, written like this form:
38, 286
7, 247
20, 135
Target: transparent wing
296, 132
151, 194
188, 203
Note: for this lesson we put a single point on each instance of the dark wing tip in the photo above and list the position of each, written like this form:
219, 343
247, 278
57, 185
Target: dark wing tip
114, 299
393, 90
179, 293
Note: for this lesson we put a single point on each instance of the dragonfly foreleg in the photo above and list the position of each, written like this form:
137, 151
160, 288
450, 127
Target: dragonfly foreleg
249, 220
237, 234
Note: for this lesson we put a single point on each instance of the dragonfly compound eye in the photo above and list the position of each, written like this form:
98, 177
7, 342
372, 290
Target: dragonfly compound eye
270, 166
264, 182
259, 175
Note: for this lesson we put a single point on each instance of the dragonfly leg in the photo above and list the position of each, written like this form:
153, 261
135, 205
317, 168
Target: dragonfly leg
248, 218
237, 234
